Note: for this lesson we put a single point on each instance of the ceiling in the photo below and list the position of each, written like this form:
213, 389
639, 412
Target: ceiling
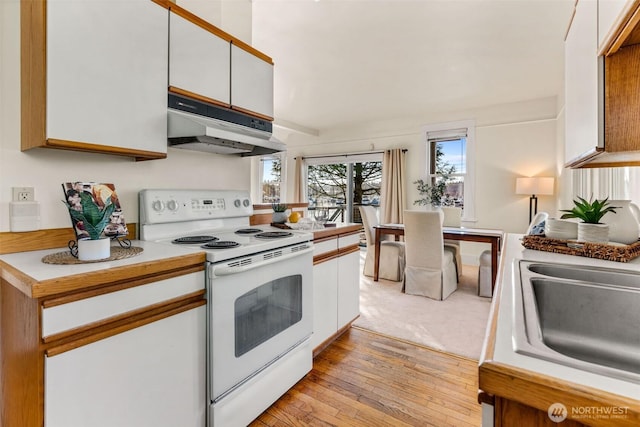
340, 63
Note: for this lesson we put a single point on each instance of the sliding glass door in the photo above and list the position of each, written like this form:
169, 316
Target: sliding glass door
339, 184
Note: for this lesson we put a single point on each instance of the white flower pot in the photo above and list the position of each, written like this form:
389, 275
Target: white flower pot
279, 217
595, 233
92, 250
623, 225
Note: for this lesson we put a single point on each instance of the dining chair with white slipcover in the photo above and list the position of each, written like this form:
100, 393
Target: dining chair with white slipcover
430, 268
391, 252
453, 218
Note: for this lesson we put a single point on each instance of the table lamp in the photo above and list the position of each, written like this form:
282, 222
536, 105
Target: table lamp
534, 186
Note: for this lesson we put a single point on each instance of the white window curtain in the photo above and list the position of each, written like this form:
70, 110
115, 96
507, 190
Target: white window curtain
393, 192
622, 183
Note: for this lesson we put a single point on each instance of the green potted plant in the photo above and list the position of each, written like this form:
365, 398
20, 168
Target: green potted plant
590, 212
279, 213
89, 221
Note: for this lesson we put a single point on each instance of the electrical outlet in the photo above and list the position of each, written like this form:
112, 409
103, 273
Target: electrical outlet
23, 194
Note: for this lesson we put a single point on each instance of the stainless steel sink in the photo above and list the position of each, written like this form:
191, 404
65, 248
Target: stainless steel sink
583, 317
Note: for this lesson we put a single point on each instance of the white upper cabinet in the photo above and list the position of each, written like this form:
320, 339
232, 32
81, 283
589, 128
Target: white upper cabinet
106, 77
583, 99
199, 61
610, 14
251, 83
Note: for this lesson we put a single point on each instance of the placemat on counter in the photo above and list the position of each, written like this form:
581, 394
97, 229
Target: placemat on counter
116, 254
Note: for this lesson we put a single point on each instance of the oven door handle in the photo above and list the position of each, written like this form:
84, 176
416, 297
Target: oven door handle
226, 271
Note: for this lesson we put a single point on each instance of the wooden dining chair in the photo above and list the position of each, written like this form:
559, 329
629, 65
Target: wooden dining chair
430, 270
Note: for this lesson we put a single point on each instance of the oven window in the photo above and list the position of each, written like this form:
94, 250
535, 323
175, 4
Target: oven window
266, 311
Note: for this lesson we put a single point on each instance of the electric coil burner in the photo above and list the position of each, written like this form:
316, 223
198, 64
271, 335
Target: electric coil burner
274, 234
221, 244
248, 231
193, 239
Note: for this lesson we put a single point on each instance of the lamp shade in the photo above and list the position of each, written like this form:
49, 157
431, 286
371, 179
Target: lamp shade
535, 185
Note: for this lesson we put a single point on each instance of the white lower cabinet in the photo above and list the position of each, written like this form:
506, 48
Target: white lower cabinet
348, 288
336, 287
152, 376
325, 301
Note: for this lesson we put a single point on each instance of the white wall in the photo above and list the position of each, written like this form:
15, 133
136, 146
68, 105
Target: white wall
47, 169
512, 140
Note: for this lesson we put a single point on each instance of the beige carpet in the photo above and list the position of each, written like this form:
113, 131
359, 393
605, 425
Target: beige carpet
456, 325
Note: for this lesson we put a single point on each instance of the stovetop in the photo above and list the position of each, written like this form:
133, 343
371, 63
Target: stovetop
210, 220
232, 244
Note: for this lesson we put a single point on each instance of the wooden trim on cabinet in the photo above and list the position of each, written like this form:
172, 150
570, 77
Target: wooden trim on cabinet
252, 113
138, 155
541, 391
337, 231
21, 359
248, 48
123, 325
50, 238
201, 98
61, 285
115, 287
325, 256
324, 344
33, 80
264, 206
191, 17
622, 100
346, 250
628, 33
96, 327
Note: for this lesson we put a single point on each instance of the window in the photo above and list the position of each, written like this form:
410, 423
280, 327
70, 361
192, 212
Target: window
450, 154
271, 179
341, 183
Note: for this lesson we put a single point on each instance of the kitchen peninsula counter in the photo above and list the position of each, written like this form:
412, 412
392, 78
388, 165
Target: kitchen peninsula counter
339, 229
522, 388
75, 336
36, 279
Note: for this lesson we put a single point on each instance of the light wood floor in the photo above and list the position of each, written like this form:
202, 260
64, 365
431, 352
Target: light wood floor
366, 379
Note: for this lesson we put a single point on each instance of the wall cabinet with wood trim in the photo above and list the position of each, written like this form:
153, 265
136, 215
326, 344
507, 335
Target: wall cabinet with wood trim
199, 61
602, 100
94, 76
251, 83
131, 352
336, 286
211, 65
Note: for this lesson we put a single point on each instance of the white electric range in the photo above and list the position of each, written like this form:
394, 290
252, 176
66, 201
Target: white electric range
259, 295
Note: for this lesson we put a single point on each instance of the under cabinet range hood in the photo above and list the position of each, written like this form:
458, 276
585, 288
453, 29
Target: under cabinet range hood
195, 125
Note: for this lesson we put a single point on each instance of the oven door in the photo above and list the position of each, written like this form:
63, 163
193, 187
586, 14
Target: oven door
260, 307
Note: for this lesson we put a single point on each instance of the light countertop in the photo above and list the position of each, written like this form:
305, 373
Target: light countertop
503, 352
27, 272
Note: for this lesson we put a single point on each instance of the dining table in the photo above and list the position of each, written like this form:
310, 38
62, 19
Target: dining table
482, 235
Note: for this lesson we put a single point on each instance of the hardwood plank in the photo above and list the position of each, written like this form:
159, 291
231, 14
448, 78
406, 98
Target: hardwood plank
367, 379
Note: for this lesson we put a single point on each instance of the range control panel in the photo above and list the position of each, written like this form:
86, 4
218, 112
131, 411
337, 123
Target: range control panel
162, 206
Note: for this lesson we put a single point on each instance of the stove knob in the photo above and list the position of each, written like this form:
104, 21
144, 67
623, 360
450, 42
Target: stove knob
157, 205
172, 205
246, 203
236, 203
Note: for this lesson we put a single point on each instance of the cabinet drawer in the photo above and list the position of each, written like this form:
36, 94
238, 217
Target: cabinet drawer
325, 246
352, 239
86, 311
